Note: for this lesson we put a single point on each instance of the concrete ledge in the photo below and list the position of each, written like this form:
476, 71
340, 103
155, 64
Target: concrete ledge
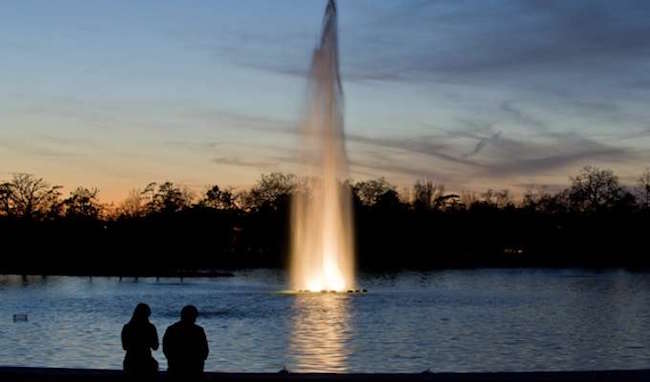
33, 374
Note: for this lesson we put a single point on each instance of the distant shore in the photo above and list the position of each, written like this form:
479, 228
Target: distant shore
225, 273
96, 273
29, 374
596, 222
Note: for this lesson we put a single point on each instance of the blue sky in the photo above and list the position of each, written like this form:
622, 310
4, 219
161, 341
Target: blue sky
473, 94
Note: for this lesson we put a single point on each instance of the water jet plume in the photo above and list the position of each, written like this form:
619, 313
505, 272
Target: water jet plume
322, 254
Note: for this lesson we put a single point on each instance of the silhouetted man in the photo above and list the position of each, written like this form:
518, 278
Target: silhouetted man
185, 347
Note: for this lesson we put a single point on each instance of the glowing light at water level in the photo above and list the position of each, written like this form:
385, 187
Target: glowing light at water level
322, 246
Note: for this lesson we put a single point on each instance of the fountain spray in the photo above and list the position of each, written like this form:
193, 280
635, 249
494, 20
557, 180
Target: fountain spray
322, 255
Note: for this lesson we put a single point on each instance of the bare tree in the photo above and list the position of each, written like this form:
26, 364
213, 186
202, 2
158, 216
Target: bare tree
429, 195
29, 197
272, 190
133, 205
5, 198
504, 198
370, 192
83, 203
167, 198
595, 189
423, 193
467, 198
642, 189
219, 199
497, 198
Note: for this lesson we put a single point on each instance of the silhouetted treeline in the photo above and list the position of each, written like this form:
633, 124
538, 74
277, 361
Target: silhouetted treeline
164, 228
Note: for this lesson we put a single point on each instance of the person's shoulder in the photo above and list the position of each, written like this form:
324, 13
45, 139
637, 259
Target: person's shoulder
175, 326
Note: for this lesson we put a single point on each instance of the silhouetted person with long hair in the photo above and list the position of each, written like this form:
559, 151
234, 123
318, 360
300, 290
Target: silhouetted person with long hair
185, 347
139, 337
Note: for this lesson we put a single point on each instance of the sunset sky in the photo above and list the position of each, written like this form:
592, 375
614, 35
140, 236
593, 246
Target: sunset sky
473, 94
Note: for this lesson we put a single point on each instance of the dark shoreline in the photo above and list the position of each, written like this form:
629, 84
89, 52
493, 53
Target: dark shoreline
168, 274
34, 374
231, 272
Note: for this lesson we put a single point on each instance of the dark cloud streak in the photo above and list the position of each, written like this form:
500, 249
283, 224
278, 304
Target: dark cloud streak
234, 161
481, 144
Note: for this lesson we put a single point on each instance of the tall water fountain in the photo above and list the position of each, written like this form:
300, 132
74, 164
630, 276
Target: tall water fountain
322, 242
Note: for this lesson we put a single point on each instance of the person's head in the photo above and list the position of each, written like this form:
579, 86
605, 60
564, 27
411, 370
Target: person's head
189, 313
141, 313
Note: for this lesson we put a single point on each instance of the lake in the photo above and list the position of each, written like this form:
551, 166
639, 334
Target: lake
461, 320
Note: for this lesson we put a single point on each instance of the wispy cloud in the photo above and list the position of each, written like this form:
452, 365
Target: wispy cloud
521, 117
194, 145
481, 144
536, 166
41, 150
235, 120
506, 157
237, 162
416, 40
550, 152
421, 145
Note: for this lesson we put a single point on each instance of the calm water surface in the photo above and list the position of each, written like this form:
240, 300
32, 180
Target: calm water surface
484, 320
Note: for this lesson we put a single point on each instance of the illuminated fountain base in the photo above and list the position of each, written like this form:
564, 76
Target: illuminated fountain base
349, 291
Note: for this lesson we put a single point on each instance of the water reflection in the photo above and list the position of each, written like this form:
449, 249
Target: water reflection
320, 333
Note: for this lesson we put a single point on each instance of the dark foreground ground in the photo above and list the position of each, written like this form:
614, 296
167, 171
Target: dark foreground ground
28, 374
